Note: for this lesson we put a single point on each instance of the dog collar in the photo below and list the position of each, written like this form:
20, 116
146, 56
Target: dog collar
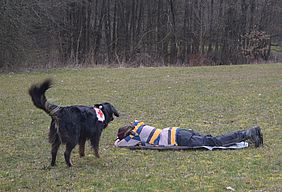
100, 115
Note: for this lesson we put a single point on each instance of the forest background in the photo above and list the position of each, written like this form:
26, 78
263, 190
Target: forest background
58, 33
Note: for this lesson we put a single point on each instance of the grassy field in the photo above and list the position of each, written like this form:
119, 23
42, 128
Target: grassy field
212, 100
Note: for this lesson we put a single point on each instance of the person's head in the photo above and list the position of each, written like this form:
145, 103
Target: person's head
124, 131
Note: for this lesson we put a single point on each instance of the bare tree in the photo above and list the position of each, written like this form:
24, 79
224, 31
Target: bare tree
136, 32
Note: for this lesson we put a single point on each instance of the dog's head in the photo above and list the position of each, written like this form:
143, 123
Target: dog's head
108, 110
124, 131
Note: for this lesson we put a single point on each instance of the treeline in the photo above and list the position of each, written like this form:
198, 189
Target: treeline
48, 33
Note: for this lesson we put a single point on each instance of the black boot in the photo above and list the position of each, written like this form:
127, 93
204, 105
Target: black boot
255, 135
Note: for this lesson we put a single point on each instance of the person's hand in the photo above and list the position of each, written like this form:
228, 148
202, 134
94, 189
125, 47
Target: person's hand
116, 142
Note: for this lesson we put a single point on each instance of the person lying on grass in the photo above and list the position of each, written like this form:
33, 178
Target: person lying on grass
140, 134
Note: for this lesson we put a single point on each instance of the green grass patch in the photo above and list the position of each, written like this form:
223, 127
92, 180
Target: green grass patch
212, 100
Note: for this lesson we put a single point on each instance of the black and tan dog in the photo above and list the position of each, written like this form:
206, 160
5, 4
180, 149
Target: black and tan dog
72, 125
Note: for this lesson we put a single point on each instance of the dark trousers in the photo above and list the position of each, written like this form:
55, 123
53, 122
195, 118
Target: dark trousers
187, 137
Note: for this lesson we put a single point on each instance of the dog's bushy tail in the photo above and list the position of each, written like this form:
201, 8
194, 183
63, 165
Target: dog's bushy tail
37, 94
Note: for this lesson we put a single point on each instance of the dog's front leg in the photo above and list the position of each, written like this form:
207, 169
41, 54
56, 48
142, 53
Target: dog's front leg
95, 146
67, 154
97, 152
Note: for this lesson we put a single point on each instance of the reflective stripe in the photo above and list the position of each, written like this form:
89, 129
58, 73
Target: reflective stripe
150, 135
156, 142
156, 134
173, 136
169, 136
137, 126
132, 137
140, 129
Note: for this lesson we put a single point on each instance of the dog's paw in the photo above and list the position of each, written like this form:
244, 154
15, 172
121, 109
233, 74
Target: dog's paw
97, 155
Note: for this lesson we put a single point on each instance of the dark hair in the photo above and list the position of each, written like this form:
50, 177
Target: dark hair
124, 131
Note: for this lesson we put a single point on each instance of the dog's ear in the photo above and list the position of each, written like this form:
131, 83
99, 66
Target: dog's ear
100, 106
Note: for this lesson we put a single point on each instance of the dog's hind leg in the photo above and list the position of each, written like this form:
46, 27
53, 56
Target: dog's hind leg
82, 146
54, 150
67, 154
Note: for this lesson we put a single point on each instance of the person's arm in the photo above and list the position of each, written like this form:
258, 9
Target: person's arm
126, 142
